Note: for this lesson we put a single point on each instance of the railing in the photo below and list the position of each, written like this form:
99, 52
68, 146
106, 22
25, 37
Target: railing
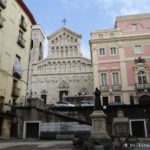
21, 41
15, 92
116, 88
105, 34
23, 25
3, 3
1, 21
104, 88
142, 87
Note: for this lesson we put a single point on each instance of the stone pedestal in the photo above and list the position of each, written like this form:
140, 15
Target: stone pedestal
99, 134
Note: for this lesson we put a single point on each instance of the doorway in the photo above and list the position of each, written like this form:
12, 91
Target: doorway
44, 97
31, 129
62, 94
105, 101
138, 128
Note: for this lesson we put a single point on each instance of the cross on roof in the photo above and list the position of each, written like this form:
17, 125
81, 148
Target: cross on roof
64, 21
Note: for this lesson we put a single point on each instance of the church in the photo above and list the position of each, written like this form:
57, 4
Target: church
65, 72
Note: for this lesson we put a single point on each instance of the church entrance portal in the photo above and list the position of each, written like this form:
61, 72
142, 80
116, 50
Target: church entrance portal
62, 93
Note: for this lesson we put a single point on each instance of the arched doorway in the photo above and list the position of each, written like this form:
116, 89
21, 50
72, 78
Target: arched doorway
63, 89
44, 96
144, 100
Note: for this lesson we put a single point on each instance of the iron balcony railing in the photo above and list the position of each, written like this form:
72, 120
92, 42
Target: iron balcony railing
15, 92
116, 88
142, 87
3, 3
21, 41
104, 88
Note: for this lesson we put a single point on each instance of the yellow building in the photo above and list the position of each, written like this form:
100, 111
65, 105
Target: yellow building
15, 41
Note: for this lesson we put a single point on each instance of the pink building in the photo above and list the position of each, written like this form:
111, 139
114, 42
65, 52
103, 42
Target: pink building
121, 60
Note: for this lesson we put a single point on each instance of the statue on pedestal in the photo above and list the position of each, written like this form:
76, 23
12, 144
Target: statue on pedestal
98, 105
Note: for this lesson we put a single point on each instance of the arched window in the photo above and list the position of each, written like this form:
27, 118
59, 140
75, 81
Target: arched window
31, 46
40, 52
142, 77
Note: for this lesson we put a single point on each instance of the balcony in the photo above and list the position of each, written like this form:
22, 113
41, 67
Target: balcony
5, 108
23, 25
116, 88
1, 21
17, 71
3, 3
104, 88
142, 87
21, 41
15, 92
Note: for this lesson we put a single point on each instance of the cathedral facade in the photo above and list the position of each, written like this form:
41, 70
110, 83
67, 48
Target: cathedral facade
64, 71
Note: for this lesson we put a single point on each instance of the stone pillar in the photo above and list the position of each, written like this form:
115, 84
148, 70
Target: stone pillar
99, 134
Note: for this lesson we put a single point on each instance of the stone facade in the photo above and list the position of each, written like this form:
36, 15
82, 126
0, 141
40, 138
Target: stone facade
15, 39
64, 71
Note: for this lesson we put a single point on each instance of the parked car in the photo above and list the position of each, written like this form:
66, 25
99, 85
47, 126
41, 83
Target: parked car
63, 104
87, 103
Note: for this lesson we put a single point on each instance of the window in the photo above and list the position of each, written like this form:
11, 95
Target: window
17, 70
105, 101
131, 99
115, 78
23, 24
103, 79
142, 77
20, 34
134, 27
111, 35
1, 20
138, 49
22, 19
21, 41
117, 99
100, 36
102, 51
113, 51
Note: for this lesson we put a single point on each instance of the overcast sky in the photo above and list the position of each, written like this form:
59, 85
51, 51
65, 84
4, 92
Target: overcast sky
83, 16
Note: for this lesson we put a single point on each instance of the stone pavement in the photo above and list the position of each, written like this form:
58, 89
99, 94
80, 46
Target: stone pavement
37, 145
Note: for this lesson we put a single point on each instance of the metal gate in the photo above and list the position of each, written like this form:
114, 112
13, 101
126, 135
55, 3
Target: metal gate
32, 130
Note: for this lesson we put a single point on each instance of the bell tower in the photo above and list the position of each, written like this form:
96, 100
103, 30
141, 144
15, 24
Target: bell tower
37, 43
36, 52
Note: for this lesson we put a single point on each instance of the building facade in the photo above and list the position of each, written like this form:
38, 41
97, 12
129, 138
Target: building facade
15, 41
64, 72
121, 60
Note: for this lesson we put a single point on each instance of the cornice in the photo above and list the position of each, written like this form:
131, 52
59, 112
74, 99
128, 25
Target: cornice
26, 10
122, 38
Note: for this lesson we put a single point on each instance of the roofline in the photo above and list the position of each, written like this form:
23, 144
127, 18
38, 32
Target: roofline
133, 16
63, 28
27, 11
